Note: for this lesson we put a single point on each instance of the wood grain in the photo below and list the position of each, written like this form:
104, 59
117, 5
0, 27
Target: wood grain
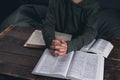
15, 60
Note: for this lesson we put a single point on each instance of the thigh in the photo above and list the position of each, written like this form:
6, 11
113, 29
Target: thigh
26, 15
31, 11
109, 23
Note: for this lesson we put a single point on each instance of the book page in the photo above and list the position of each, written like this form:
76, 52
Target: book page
46, 63
65, 37
49, 65
85, 48
62, 64
36, 39
101, 47
94, 67
100, 70
77, 66
85, 66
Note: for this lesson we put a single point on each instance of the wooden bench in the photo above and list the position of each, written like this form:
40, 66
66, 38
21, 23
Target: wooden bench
17, 61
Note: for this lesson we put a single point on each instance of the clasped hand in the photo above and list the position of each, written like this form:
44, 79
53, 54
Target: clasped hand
58, 47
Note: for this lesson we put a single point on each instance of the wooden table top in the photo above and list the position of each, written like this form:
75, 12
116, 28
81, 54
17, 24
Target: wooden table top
15, 60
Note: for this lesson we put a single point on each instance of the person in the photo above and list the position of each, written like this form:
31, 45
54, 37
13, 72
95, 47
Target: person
83, 19
75, 17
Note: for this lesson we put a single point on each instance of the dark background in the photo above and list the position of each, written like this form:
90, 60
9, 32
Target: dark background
8, 6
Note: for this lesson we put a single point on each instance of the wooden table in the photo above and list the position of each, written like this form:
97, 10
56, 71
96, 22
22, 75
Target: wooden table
17, 61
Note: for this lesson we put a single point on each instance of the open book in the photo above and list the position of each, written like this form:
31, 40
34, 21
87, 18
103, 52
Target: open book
36, 39
99, 46
76, 65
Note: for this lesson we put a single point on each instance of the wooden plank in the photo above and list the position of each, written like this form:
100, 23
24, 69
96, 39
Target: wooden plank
6, 30
106, 75
112, 64
14, 45
14, 40
21, 71
21, 32
112, 75
115, 54
115, 75
18, 59
6, 77
16, 70
47, 78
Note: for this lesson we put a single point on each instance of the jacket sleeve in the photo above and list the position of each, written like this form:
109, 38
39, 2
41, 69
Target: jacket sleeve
90, 31
48, 30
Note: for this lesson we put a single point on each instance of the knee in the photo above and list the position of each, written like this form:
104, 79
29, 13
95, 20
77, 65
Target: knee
109, 22
109, 15
109, 18
24, 6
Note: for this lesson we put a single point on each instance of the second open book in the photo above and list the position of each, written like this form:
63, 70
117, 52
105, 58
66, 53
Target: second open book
76, 65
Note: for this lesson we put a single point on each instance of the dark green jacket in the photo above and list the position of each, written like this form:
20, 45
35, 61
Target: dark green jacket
79, 20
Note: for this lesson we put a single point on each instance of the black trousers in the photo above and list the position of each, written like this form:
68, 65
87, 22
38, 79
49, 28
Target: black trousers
32, 15
28, 15
109, 23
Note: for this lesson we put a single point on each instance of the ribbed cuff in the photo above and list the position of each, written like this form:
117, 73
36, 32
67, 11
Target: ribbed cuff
70, 47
